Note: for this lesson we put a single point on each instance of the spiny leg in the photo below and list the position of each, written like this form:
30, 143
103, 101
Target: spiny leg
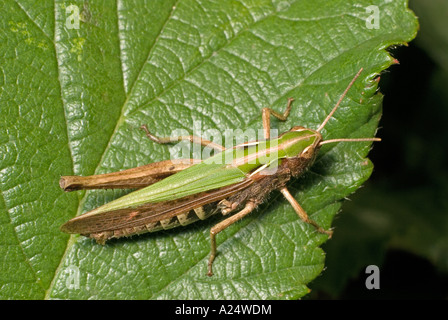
250, 206
267, 121
301, 212
193, 139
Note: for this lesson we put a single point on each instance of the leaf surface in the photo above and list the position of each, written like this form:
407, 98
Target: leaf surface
73, 100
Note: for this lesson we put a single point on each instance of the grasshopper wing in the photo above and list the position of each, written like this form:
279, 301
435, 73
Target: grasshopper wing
134, 178
149, 213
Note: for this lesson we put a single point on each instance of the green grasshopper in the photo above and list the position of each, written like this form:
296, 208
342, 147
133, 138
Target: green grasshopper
175, 193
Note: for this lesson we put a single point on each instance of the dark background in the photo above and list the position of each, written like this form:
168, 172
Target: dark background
399, 220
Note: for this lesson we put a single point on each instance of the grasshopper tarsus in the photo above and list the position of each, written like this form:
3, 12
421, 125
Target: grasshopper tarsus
210, 263
144, 127
319, 229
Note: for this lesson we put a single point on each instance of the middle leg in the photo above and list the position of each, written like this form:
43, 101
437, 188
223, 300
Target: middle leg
281, 116
302, 213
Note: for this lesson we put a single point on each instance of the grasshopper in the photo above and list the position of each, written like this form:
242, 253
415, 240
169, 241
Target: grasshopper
174, 193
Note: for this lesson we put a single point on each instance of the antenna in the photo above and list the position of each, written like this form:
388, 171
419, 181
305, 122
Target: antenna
349, 140
339, 101
333, 111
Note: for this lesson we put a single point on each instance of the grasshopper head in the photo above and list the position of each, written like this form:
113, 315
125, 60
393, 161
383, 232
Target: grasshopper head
301, 146
300, 141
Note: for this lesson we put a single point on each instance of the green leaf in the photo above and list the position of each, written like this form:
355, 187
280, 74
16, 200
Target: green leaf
73, 99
